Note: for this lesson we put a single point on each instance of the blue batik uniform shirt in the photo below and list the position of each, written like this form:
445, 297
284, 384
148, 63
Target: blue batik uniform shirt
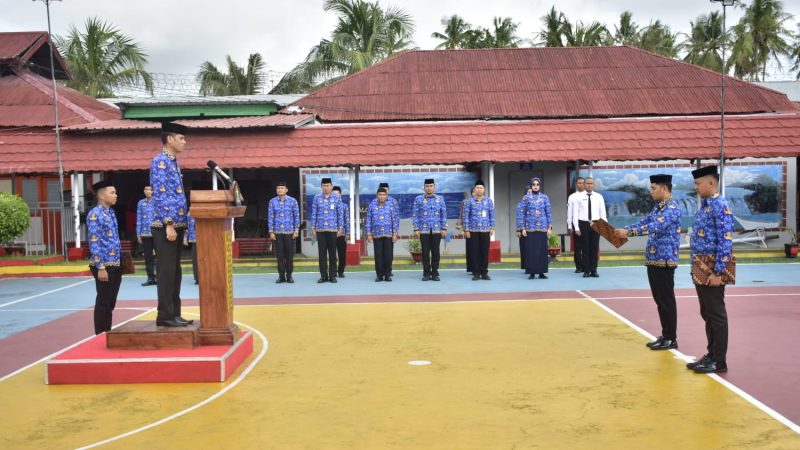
662, 226
283, 216
167, 183
478, 215
191, 233
103, 234
145, 213
712, 233
345, 217
382, 220
326, 214
430, 213
534, 213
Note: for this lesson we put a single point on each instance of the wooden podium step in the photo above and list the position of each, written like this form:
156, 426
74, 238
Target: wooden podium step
145, 335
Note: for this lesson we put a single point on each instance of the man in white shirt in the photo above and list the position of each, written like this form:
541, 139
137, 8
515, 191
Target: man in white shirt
590, 207
571, 201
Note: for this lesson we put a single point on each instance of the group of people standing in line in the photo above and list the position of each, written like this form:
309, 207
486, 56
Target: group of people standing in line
165, 210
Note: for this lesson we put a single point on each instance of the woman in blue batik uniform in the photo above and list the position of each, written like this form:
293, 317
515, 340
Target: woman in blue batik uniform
535, 220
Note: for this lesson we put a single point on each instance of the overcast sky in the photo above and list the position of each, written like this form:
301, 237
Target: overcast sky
178, 35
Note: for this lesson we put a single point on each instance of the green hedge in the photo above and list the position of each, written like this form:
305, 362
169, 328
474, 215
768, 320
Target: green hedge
14, 217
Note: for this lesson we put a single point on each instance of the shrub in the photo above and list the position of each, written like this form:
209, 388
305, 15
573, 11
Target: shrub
14, 217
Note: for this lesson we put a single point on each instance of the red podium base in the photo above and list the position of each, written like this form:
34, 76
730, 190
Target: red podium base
353, 255
494, 252
93, 363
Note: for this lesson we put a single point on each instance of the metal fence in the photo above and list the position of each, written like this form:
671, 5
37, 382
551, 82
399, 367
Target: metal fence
44, 236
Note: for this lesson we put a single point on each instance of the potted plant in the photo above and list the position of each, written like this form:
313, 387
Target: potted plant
553, 246
791, 248
414, 246
14, 220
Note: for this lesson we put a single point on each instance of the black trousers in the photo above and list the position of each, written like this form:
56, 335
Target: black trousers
284, 250
326, 241
341, 251
106, 298
193, 248
149, 257
662, 286
522, 252
169, 272
479, 241
590, 241
384, 254
430, 252
712, 309
577, 256
468, 253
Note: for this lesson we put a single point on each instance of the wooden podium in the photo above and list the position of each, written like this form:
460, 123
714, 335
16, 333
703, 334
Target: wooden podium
213, 212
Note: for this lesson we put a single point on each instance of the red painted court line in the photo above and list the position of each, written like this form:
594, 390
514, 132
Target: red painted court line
31, 345
762, 345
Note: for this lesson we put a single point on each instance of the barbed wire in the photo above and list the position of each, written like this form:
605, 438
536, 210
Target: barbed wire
183, 85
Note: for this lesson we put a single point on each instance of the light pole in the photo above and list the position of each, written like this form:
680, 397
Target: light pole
725, 4
58, 132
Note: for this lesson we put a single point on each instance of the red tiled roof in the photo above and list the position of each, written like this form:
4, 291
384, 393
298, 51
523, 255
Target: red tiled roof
273, 121
451, 143
26, 100
27, 151
534, 83
18, 49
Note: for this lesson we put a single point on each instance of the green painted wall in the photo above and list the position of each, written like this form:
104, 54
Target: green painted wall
197, 111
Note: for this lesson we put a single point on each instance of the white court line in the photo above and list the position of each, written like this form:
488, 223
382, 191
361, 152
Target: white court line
53, 355
785, 294
88, 308
749, 398
227, 388
46, 292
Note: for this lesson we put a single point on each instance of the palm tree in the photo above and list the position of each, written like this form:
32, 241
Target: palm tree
761, 34
103, 59
658, 38
627, 33
456, 33
580, 35
551, 34
364, 35
236, 81
796, 54
504, 35
703, 45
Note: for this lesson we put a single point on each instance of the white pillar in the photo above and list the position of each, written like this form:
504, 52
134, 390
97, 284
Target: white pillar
214, 181
491, 191
351, 178
233, 228
77, 187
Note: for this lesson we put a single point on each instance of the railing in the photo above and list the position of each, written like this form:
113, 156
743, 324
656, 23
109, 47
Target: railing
44, 236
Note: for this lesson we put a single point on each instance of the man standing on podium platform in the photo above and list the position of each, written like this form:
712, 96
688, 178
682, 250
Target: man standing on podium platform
169, 223
662, 226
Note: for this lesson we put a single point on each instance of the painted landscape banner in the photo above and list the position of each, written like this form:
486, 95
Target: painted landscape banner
754, 192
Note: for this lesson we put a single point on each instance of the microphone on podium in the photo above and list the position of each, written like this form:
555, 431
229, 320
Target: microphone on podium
221, 173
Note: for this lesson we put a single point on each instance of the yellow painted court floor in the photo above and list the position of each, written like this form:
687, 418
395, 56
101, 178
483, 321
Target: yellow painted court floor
546, 374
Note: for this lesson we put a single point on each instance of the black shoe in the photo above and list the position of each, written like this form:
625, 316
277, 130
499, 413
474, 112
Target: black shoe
476, 277
700, 361
532, 276
322, 280
289, 279
426, 278
149, 283
594, 275
486, 277
280, 280
387, 278
332, 279
543, 276
586, 275
341, 274
196, 282
379, 278
578, 271
711, 366
664, 344
180, 319
435, 278
170, 323
657, 341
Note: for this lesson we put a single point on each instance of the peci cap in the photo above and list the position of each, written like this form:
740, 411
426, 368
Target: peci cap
384, 185
480, 183
101, 184
429, 181
705, 171
337, 189
325, 181
381, 189
171, 127
281, 183
661, 178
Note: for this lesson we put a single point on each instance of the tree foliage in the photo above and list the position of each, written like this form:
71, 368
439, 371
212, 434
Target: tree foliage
237, 80
14, 217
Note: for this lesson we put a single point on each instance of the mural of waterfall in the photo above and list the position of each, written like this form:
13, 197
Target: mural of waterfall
752, 190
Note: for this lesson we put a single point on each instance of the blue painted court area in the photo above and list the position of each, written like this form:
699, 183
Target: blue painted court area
29, 302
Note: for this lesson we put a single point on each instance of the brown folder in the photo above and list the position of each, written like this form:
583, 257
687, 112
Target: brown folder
604, 229
703, 266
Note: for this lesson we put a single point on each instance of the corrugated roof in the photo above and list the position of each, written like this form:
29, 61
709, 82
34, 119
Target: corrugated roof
534, 83
31, 48
26, 100
280, 100
451, 143
28, 151
273, 121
